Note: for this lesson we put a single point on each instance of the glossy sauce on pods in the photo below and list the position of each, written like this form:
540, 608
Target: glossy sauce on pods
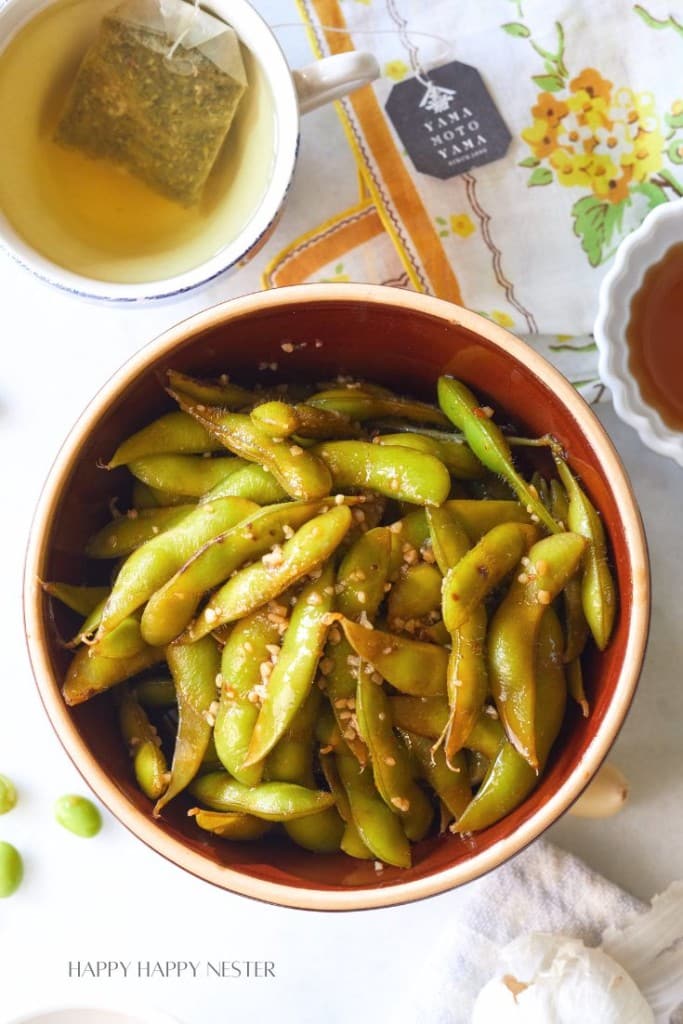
655, 337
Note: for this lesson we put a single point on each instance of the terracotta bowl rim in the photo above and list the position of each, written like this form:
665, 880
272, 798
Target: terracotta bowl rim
141, 824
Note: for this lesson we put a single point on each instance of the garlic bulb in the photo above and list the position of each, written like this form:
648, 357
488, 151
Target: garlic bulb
552, 979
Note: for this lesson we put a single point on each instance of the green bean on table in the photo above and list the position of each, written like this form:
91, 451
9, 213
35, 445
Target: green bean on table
333, 615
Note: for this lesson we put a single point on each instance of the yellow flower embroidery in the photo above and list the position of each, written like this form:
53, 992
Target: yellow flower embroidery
396, 70
504, 319
597, 138
461, 225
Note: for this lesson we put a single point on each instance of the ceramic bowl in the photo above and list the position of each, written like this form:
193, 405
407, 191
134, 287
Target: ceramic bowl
406, 341
662, 229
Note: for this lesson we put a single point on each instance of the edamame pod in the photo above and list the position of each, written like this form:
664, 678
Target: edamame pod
448, 537
453, 452
251, 482
467, 681
80, 599
149, 761
412, 666
221, 392
194, 668
176, 433
416, 594
157, 560
90, 673
450, 782
282, 420
405, 475
171, 608
379, 828
489, 445
270, 801
259, 583
361, 403
230, 824
294, 672
301, 473
598, 592
514, 630
123, 535
188, 475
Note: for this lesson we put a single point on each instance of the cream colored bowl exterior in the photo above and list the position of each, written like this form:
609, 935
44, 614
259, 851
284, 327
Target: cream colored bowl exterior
311, 899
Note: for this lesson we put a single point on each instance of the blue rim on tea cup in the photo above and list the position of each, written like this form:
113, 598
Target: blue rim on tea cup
641, 250
293, 93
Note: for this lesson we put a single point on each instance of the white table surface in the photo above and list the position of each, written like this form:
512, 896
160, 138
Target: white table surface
112, 898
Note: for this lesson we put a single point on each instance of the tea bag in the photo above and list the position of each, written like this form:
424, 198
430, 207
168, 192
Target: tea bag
156, 93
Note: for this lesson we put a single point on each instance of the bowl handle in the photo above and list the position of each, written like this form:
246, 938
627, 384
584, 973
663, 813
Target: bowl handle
329, 79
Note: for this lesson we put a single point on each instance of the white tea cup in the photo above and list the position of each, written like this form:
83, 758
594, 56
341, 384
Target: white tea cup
293, 93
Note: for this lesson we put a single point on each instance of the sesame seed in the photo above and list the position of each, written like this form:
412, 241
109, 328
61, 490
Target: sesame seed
326, 666
376, 678
359, 515
394, 484
334, 636
399, 623
287, 346
491, 711
534, 518
224, 378
523, 578
381, 716
210, 614
379, 866
318, 343
364, 620
287, 532
387, 588
314, 598
273, 650
401, 803
396, 527
327, 749
296, 449
155, 530
526, 561
361, 597
533, 491
544, 597
390, 761
353, 661
329, 591
213, 707
345, 715
339, 499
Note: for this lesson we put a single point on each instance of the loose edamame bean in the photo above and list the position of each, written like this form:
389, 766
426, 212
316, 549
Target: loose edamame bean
8, 795
11, 870
79, 815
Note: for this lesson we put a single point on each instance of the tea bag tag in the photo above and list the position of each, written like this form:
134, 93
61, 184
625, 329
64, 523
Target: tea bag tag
447, 121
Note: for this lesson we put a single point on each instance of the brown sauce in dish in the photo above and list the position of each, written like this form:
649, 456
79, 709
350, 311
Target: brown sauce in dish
655, 337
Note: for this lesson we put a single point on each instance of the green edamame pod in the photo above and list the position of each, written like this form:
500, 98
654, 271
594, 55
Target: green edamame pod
251, 482
80, 599
220, 392
479, 571
362, 403
453, 452
448, 537
282, 420
301, 473
510, 778
415, 594
270, 801
406, 475
351, 842
513, 633
488, 444
597, 584
124, 641
450, 782
149, 761
412, 666
424, 716
257, 584
157, 560
230, 824
176, 433
291, 679
245, 651
391, 767
156, 693
189, 475
172, 607
467, 681
575, 686
90, 673
291, 760
194, 668
123, 535
379, 828
575, 625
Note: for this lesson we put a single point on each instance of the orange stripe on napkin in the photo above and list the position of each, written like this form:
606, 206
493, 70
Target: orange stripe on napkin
441, 279
326, 243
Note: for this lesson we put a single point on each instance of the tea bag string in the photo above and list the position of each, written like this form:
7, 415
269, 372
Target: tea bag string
403, 34
195, 12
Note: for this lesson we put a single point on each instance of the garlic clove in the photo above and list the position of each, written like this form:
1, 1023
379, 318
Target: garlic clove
605, 796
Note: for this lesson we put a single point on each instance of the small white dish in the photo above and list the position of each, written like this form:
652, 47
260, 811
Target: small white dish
662, 229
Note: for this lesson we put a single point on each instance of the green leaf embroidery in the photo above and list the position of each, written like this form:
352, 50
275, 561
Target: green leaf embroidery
339, 268
514, 28
674, 120
441, 220
541, 176
550, 83
530, 161
566, 347
443, 234
595, 223
653, 193
583, 383
658, 23
675, 151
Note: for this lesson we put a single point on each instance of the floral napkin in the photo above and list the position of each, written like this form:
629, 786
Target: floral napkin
507, 149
